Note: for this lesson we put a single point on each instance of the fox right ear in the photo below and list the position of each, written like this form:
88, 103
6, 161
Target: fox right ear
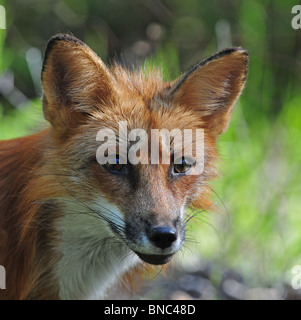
74, 80
211, 88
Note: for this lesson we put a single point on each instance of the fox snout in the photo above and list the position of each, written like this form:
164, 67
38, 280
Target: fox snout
155, 242
165, 239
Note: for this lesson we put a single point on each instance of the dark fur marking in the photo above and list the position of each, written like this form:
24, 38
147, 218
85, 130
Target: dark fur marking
54, 40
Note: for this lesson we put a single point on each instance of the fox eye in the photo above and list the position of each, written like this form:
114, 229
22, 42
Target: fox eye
183, 167
115, 167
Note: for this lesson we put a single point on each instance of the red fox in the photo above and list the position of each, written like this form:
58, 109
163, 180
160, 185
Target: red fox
71, 228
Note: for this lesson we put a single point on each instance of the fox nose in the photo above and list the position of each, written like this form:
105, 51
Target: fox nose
163, 237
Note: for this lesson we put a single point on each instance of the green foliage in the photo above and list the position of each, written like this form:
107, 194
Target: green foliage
20, 122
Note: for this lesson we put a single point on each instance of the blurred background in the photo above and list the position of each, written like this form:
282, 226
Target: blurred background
246, 250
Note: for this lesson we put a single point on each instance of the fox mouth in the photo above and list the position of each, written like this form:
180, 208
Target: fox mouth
155, 259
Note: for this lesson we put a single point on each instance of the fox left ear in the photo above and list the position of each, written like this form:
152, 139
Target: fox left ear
75, 81
212, 87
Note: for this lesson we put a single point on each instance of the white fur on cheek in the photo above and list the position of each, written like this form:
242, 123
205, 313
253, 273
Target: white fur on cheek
93, 257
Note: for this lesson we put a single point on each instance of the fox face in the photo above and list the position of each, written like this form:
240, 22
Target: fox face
107, 217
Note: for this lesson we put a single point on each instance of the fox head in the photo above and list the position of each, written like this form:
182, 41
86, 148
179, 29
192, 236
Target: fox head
141, 206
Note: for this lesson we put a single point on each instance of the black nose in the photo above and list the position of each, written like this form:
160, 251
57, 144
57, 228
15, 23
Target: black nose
163, 237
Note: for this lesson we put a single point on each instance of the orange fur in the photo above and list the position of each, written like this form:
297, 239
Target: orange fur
82, 95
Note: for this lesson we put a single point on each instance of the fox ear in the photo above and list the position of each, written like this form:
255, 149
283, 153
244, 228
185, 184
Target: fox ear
212, 87
74, 80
